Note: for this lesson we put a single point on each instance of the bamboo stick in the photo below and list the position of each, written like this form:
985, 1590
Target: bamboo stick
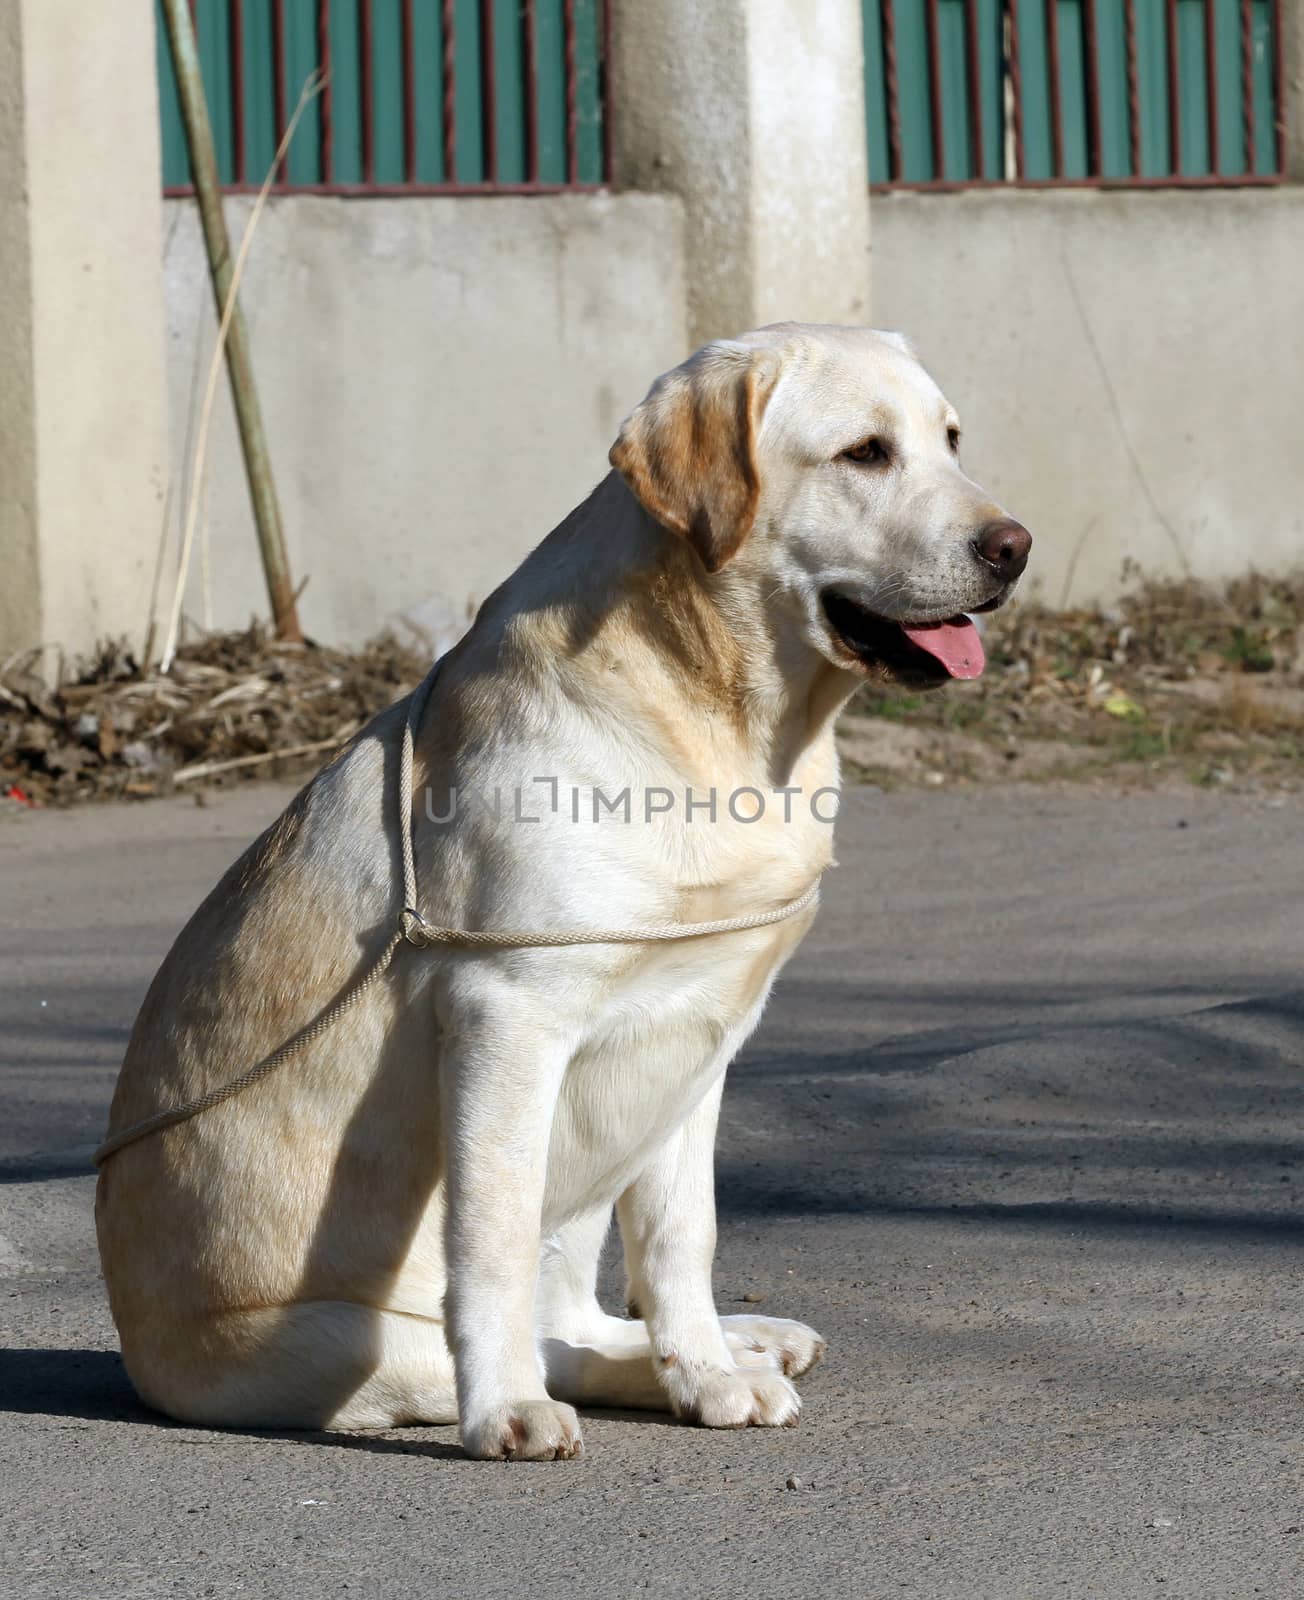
253, 441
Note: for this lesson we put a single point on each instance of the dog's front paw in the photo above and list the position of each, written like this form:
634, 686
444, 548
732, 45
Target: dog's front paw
530, 1430
795, 1347
714, 1397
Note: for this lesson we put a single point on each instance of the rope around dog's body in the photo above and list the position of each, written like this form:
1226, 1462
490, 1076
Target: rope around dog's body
413, 929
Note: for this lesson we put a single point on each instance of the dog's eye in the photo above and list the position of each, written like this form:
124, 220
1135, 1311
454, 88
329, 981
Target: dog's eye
869, 452
953, 439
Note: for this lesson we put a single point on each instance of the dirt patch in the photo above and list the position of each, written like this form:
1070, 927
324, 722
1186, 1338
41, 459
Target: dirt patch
1182, 681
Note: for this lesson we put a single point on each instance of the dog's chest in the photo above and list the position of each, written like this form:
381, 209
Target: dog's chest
652, 1051
660, 1031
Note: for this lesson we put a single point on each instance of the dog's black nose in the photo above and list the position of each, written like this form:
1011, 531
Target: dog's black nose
1004, 547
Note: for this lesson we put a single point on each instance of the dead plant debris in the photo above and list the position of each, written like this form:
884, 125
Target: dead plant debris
1175, 680
1183, 680
233, 706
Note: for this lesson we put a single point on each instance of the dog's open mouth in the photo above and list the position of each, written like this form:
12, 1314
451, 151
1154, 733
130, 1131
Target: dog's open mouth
932, 651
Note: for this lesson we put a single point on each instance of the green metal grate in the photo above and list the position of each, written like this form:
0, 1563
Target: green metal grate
526, 112
1072, 91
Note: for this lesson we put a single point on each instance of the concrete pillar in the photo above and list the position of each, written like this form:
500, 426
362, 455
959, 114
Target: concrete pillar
1292, 110
82, 374
753, 112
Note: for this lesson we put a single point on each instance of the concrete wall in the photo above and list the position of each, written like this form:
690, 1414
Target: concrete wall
441, 380
82, 411
1127, 367
753, 113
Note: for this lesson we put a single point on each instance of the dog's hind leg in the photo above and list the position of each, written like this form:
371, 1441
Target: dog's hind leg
667, 1225
588, 1357
591, 1358
316, 1364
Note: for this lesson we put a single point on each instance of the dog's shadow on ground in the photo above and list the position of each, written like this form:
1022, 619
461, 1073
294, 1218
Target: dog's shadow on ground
92, 1386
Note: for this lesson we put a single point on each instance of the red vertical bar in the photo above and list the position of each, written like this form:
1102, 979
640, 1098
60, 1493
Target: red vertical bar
1248, 130
325, 103
488, 92
1016, 90
194, 23
531, 77
448, 43
237, 90
409, 96
893, 91
973, 58
935, 91
1278, 88
1211, 86
572, 143
1053, 71
608, 114
1133, 91
1174, 104
278, 77
1091, 55
366, 86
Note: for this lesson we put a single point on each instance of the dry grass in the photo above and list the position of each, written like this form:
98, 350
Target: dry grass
1177, 679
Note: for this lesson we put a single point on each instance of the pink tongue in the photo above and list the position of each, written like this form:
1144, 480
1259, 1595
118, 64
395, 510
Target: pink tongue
956, 644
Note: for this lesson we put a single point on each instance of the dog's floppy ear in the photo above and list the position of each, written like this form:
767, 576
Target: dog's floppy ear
688, 452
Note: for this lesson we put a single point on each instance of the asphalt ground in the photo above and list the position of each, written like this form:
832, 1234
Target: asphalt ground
1020, 1134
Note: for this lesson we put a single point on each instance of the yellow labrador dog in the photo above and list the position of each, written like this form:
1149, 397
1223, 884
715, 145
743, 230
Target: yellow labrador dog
403, 1224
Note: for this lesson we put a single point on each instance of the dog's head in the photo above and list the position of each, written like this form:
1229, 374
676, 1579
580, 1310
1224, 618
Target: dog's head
826, 460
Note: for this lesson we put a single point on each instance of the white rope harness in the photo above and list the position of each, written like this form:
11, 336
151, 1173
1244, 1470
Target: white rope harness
413, 929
